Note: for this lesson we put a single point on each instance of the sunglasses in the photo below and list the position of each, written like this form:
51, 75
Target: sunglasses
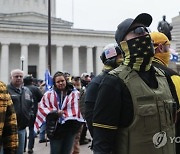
139, 30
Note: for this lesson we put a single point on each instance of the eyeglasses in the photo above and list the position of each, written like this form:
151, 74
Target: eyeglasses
155, 44
165, 47
139, 30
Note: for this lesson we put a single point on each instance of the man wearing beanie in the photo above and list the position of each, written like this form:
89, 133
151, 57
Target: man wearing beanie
134, 111
161, 60
162, 57
111, 58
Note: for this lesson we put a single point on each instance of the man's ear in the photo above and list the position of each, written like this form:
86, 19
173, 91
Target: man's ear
159, 49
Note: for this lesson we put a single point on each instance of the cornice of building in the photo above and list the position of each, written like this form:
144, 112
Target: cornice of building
32, 18
30, 27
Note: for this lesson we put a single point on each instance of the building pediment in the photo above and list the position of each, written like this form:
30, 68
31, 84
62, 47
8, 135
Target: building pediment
35, 18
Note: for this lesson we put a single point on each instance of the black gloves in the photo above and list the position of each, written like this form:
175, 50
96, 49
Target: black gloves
51, 123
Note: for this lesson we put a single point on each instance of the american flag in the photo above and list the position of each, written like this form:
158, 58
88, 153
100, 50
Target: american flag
111, 52
49, 102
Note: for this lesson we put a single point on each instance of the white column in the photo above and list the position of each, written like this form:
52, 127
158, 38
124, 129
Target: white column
5, 63
75, 61
89, 60
99, 64
59, 58
42, 61
24, 58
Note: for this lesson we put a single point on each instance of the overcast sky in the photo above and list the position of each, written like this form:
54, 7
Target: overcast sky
107, 14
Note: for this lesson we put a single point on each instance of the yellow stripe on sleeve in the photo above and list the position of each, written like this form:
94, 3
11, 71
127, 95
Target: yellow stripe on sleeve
104, 126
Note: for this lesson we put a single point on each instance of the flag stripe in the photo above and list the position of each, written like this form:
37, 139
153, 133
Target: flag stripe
73, 106
50, 102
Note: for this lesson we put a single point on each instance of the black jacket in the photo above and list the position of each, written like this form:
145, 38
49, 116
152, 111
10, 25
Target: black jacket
114, 107
90, 98
22, 101
37, 95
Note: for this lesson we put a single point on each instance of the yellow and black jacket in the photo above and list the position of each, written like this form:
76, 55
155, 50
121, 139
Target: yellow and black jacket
175, 77
8, 122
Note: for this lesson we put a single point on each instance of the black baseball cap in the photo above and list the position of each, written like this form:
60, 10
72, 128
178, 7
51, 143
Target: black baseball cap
124, 27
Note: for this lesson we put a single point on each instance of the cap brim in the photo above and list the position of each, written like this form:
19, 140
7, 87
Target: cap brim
126, 26
143, 19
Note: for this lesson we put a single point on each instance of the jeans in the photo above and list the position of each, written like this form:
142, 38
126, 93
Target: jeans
63, 145
31, 138
21, 136
1, 150
42, 132
76, 146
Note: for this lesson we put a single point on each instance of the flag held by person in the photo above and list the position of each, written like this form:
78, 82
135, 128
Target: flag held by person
50, 103
48, 80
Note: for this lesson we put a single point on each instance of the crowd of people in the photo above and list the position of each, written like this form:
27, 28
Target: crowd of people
131, 107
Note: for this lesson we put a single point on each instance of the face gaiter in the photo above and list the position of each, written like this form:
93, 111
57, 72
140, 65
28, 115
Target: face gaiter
138, 52
163, 57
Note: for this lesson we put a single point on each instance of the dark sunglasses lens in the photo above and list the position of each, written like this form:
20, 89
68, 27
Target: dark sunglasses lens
140, 30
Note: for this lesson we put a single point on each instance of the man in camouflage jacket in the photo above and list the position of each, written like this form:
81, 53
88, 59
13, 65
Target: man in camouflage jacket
8, 122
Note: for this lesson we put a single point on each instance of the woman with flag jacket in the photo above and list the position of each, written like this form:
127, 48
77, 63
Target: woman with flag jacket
59, 106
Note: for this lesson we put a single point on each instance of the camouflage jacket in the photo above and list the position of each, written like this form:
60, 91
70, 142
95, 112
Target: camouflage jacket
8, 122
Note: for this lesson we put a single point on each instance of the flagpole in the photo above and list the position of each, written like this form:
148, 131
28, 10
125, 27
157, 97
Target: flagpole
49, 35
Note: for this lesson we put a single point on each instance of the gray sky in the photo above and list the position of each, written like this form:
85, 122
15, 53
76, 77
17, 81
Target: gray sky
107, 14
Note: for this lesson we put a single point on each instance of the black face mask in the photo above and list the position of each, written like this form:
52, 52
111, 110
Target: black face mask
138, 52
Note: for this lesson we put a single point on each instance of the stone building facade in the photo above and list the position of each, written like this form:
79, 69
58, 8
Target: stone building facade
24, 40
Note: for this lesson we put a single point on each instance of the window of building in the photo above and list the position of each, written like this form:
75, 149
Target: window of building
32, 70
